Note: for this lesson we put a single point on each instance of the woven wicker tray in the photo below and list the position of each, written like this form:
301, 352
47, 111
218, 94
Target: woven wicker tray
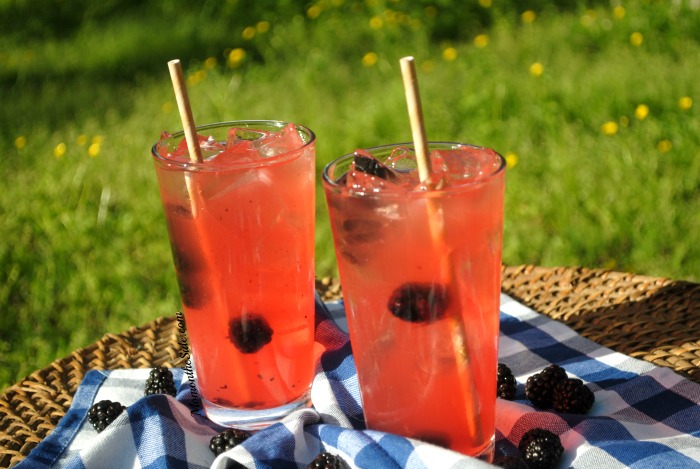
654, 319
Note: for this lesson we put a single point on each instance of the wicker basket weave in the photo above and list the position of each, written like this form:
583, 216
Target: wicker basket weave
654, 319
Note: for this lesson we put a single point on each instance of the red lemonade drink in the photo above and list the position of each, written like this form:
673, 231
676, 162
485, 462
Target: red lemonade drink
241, 228
420, 273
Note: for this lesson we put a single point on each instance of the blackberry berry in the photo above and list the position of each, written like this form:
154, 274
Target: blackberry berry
369, 165
160, 381
541, 448
510, 462
539, 387
506, 382
571, 396
419, 302
327, 461
250, 333
227, 439
101, 414
191, 294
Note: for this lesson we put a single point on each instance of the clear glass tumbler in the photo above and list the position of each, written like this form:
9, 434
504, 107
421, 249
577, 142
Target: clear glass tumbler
420, 269
241, 228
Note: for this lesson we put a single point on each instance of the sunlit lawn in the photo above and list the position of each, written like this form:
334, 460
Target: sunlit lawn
594, 109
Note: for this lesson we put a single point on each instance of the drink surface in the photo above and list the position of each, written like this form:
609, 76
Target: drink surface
241, 227
420, 272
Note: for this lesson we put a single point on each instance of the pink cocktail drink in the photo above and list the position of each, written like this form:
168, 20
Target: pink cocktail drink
420, 270
241, 228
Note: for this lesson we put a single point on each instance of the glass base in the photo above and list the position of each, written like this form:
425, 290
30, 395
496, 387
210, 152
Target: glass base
252, 419
488, 452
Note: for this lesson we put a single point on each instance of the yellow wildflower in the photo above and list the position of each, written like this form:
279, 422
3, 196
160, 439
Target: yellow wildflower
685, 103
59, 150
196, 77
664, 146
210, 63
449, 54
235, 57
619, 12
376, 23
485, 3
313, 12
248, 33
369, 59
609, 128
636, 39
481, 41
511, 159
641, 112
20, 142
94, 150
263, 26
536, 69
81, 140
588, 18
528, 16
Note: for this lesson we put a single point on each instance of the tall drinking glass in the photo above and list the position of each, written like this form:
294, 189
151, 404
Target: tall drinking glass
420, 272
241, 229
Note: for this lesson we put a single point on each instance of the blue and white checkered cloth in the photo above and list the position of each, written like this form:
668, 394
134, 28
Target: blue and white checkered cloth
643, 416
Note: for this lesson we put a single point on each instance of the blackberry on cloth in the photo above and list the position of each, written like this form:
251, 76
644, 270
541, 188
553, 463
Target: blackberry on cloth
540, 386
227, 440
327, 461
506, 382
101, 414
541, 448
160, 381
572, 396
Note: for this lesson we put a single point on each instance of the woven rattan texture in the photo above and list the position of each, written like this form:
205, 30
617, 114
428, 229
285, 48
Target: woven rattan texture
649, 318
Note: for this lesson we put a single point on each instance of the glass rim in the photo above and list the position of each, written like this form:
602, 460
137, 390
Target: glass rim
247, 123
335, 186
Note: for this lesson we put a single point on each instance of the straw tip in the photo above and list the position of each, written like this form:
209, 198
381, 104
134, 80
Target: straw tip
408, 58
174, 61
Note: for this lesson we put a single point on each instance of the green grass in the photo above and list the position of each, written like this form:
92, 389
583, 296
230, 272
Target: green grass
85, 250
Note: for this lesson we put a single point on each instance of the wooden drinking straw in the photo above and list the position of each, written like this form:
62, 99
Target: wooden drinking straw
195, 151
183, 104
460, 345
188, 127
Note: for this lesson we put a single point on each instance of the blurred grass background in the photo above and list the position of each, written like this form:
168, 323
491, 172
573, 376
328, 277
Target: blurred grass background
594, 104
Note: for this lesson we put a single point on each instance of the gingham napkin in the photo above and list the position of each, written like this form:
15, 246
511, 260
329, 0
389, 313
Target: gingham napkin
643, 416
